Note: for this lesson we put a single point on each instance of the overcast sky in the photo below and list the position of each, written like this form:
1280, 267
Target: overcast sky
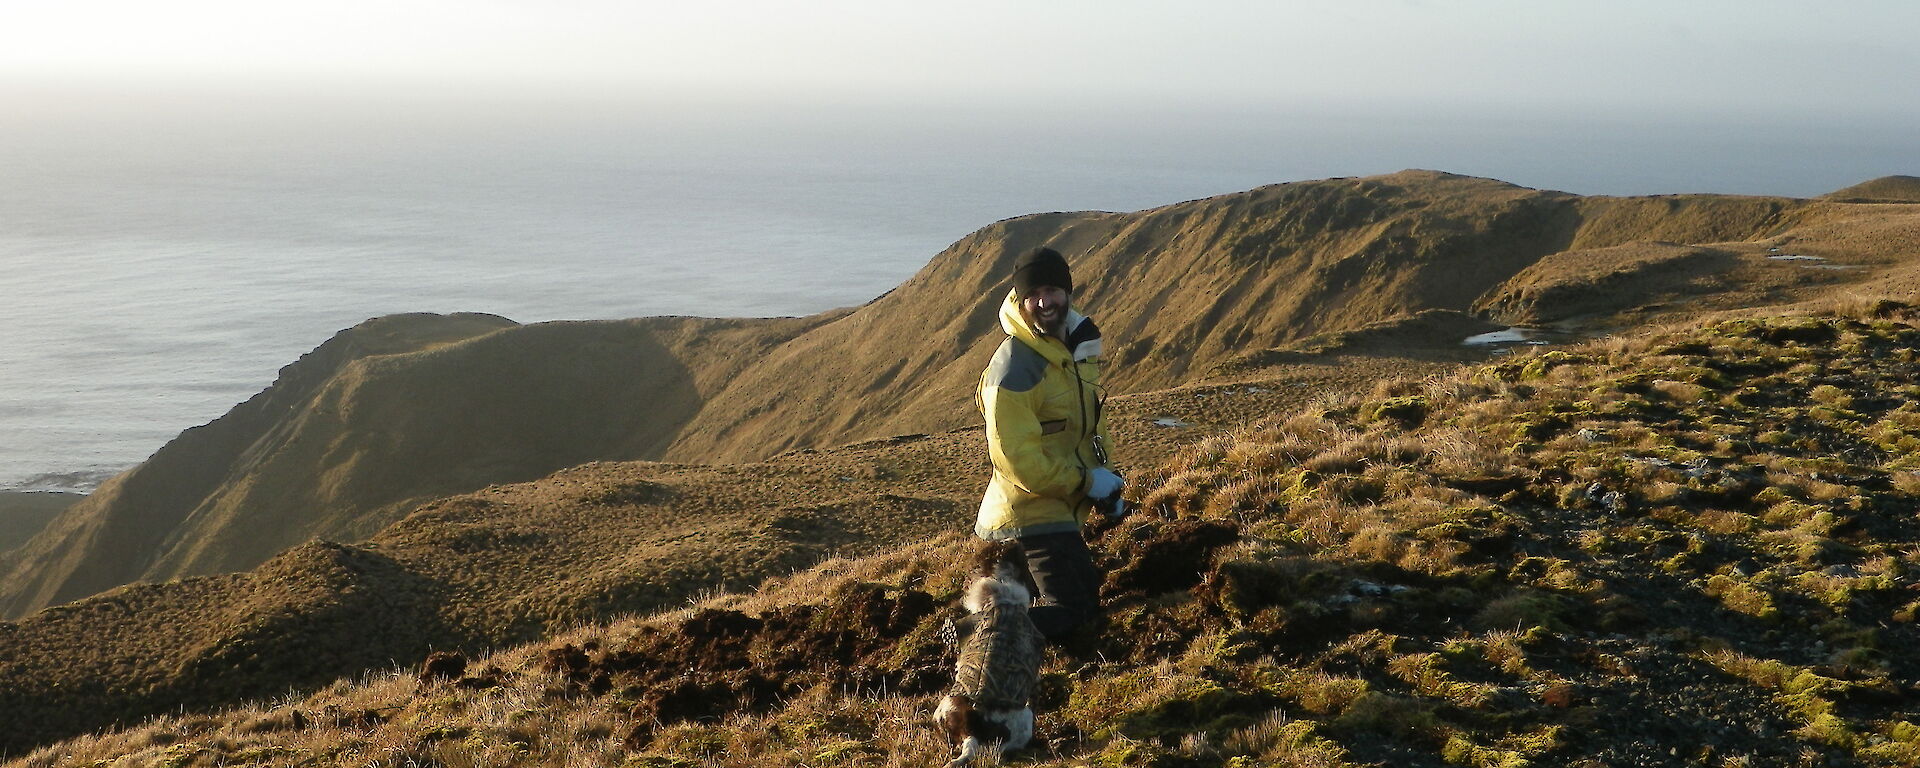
1694, 55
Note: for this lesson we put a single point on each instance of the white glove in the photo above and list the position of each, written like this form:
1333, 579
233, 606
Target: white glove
1103, 483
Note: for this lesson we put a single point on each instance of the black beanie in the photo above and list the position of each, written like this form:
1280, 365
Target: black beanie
1041, 266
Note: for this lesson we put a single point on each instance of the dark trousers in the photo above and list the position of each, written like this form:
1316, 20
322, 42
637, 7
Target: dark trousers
1069, 583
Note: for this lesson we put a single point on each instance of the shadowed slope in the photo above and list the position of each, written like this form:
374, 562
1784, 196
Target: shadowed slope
24, 513
1578, 282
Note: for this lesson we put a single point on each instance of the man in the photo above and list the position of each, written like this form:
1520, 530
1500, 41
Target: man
1042, 399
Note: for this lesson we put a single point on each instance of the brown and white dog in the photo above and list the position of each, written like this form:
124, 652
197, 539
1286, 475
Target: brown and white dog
997, 668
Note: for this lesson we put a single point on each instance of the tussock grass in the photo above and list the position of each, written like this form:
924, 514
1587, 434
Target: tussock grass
1563, 553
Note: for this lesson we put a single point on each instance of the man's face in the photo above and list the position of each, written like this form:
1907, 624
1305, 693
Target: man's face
1046, 308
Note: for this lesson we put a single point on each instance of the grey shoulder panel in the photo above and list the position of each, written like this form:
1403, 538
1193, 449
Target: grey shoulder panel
1016, 367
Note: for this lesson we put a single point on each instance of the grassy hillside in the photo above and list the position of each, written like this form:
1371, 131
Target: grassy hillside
514, 563
387, 414
1182, 288
404, 409
362, 442
109, 538
508, 564
1886, 189
1690, 546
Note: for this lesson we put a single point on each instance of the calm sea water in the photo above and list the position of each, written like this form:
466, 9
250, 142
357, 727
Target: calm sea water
160, 260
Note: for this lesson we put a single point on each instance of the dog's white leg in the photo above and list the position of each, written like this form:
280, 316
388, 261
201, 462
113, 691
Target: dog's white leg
1019, 730
969, 749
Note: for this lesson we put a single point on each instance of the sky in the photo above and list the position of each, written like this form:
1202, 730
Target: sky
1694, 57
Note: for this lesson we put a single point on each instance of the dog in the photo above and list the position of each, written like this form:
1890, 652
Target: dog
997, 667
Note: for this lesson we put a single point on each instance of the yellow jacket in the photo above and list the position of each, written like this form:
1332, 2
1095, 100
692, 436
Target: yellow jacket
1042, 400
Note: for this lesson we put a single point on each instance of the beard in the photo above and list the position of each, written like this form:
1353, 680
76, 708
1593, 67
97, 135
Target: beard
1050, 323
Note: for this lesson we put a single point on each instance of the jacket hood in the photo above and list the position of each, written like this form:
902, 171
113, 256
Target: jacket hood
1015, 324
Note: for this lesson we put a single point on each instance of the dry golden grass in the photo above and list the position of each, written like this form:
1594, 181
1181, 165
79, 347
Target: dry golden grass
343, 444
515, 562
1886, 189
531, 718
1547, 499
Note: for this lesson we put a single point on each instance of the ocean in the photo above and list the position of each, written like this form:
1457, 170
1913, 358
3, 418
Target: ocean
163, 257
